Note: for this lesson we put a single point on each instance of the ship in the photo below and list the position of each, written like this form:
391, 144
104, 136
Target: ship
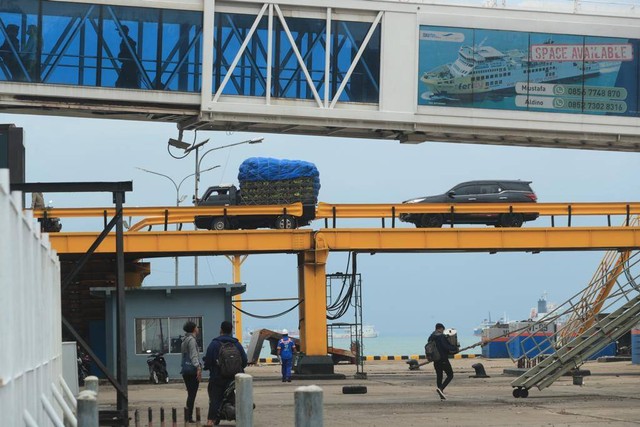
368, 331
477, 331
488, 323
482, 69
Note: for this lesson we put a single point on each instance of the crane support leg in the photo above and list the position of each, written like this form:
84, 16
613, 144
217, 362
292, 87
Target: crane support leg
312, 291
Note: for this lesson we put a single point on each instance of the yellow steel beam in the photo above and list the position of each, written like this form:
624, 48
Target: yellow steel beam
237, 261
326, 210
165, 243
312, 291
157, 220
168, 243
480, 239
294, 209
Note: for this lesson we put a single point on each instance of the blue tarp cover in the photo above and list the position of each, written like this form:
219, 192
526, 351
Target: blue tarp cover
268, 169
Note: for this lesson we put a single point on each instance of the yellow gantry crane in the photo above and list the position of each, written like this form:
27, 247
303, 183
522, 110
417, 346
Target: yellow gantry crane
313, 246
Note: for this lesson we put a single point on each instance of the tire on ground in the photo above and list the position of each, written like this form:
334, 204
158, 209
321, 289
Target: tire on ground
354, 389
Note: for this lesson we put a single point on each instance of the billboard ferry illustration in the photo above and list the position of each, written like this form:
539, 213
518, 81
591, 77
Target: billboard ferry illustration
484, 69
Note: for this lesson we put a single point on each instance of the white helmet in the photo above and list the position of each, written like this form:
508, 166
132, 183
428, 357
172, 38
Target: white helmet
285, 332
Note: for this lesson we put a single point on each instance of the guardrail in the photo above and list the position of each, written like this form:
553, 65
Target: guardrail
173, 215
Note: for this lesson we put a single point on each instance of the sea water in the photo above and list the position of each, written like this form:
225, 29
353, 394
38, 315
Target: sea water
394, 345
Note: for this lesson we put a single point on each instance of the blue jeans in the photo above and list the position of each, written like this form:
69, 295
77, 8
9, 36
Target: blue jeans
286, 368
192, 383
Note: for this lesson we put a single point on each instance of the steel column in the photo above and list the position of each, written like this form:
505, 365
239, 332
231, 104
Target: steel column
312, 290
121, 321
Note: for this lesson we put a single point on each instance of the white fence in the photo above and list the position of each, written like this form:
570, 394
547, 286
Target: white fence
30, 319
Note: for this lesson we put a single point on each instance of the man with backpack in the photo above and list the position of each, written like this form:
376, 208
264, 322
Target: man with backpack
224, 359
440, 358
286, 347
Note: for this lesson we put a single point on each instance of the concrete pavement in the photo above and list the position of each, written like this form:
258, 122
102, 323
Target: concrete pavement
397, 396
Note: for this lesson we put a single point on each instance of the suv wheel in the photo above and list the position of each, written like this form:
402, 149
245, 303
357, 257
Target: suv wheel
431, 221
219, 223
285, 222
511, 220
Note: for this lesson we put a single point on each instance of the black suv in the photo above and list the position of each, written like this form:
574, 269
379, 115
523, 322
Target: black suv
490, 191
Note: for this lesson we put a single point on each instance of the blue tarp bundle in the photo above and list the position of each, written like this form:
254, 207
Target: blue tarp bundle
266, 181
268, 169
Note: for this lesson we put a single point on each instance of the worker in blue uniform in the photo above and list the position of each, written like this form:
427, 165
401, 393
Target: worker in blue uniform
286, 348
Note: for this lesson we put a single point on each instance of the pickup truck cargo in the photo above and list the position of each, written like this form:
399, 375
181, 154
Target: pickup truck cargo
264, 181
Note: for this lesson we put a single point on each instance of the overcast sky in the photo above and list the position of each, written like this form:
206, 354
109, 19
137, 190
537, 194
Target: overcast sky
403, 294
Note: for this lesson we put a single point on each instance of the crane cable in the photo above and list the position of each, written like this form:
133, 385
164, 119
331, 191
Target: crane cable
272, 316
341, 306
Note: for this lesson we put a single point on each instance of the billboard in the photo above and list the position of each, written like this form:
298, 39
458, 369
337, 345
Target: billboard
513, 70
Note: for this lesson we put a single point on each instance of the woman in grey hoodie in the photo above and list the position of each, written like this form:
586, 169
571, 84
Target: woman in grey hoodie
191, 360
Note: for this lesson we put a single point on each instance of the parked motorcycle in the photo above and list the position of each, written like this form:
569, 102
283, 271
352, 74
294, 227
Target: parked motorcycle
227, 409
157, 367
83, 361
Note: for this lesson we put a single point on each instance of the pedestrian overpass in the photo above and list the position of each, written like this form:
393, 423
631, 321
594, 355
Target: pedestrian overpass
406, 70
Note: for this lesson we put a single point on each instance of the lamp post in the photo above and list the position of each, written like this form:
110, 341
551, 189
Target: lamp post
178, 198
197, 173
199, 158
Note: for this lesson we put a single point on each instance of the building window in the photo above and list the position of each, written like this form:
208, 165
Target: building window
163, 334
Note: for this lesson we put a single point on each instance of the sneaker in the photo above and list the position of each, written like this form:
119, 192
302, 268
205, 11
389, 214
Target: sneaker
441, 394
288, 380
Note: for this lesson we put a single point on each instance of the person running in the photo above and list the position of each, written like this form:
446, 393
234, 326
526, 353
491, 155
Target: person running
286, 348
445, 348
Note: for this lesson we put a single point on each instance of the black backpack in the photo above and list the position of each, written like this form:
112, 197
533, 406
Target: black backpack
431, 351
229, 359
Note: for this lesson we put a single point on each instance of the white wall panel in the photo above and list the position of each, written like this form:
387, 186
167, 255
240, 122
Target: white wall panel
30, 314
398, 66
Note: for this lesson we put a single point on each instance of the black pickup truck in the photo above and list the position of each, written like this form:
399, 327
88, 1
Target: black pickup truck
229, 195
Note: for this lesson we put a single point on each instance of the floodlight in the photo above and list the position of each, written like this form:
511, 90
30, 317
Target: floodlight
179, 144
190, 148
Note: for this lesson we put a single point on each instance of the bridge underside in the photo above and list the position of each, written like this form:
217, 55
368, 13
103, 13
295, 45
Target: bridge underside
363, 69
188, 116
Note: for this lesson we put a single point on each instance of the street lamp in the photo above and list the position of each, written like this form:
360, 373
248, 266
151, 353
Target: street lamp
196, 147
177, 186
179, 199
178, 143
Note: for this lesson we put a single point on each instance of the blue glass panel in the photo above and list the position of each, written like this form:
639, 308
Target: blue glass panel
249, 76
181, 65
94, 45
19, 34
309, 36
288, 80
69, 44
364, 85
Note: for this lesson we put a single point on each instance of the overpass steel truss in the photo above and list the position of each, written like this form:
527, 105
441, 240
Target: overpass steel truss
333, 67
313, 247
